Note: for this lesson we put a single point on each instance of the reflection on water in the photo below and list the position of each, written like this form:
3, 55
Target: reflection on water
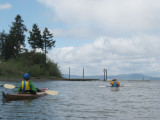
86, 100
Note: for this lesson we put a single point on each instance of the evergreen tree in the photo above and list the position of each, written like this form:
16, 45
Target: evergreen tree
3, 37
35, 39
9, 49
16, 35
48, 41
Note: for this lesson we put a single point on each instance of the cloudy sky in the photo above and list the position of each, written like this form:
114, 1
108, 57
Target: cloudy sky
122, 36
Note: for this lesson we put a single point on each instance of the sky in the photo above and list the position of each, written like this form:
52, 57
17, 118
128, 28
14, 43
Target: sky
122, 36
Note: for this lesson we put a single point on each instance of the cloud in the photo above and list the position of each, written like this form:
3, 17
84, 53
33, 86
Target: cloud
105, 16
124, 34
5, 6
118, 55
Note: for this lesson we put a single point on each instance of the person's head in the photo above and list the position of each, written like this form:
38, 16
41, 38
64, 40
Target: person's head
114, 79
26, 76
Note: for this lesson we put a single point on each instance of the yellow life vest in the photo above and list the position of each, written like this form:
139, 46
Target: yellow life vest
25, 85
118, 83
111, 82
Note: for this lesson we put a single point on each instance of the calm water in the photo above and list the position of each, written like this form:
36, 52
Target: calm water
87, 101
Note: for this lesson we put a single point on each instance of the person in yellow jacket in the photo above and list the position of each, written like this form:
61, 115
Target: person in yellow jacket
27, 86
114, 83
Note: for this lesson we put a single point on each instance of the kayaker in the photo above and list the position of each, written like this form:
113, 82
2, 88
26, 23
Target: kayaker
114, 83
27, 86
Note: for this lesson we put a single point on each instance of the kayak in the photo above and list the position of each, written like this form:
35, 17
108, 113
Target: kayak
114, 88
20, 96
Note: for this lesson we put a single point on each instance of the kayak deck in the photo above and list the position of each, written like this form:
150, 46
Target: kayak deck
20, 96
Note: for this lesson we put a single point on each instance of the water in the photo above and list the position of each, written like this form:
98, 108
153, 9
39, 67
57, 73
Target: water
87, 101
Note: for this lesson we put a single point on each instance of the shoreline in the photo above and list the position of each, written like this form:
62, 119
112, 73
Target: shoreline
46, 79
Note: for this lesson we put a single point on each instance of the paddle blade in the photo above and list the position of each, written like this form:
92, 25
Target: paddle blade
104, 86
9, 86
126, 86
101, 86
50, 92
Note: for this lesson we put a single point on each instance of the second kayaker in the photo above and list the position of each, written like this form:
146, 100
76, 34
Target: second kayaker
114, 83
27, 86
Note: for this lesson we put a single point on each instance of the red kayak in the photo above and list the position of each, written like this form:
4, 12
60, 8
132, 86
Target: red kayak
20, 96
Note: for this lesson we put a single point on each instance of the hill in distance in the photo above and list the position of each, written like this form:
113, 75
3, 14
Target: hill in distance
133, 76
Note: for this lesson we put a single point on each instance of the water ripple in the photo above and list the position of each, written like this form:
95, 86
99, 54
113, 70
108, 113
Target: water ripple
86, 101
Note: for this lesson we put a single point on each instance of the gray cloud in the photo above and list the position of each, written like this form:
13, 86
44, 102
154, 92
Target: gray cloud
119, 55
125, 35
107, 16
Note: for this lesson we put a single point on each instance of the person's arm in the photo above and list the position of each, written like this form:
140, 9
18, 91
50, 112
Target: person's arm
111, 82
32, 87
118, 84
20, 88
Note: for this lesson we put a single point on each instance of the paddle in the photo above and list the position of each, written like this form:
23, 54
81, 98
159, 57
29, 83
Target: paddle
126, 85
104, 86
49, 92
120, 86
9, 86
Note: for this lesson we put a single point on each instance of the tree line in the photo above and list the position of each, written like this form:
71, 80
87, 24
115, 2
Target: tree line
13, 44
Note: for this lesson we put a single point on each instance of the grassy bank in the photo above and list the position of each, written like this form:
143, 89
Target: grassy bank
32, 63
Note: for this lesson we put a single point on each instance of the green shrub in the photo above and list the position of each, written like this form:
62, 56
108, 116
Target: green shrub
31, 62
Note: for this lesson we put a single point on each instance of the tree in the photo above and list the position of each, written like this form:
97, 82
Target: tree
48, 41
35, 39
16, 35
6, 46
3, 37
9, 49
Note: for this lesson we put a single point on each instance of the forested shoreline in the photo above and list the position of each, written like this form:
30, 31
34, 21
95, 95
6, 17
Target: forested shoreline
16, 59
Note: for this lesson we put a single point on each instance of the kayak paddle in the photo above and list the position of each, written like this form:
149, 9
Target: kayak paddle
120, 86
49, 92
9, 86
